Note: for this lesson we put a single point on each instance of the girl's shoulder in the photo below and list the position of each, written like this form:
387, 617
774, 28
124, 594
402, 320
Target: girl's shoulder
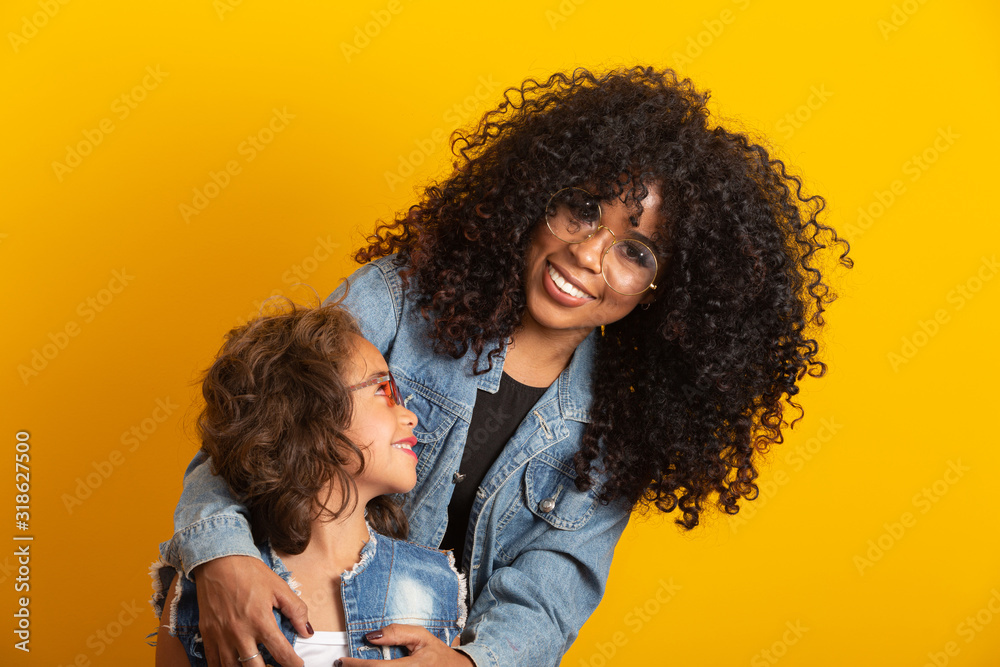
419, 551
415, 566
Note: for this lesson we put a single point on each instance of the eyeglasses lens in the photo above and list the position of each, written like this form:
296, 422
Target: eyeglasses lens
573, 215
392, 392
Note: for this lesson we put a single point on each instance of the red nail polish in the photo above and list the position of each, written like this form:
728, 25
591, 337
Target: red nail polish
372, 636
309, 627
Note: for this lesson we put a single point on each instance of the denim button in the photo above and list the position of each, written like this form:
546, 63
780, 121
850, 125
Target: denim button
547, 505
457, 477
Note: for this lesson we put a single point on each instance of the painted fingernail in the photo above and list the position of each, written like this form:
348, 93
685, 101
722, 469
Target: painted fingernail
372, 636
338, 663
309, 628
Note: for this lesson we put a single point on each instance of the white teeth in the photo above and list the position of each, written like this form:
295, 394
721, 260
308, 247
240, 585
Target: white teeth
402, 445
565, 286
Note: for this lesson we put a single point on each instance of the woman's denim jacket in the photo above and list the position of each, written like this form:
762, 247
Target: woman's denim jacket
537, 552
393, 582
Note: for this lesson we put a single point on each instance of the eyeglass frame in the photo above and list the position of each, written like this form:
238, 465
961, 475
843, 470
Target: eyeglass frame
395, 396
614, 237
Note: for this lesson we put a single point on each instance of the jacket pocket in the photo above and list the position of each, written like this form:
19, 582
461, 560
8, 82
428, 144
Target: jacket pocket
547, 509
551, 493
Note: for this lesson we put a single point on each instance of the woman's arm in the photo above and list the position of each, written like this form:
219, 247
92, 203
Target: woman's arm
531, 611
209, 522
220, 641
236, 591
236, 596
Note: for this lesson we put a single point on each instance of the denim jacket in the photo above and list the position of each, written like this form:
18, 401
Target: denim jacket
537, 552
393, 582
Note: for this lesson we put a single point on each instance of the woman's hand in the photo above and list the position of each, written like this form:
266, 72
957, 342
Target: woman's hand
424, 648
236, 595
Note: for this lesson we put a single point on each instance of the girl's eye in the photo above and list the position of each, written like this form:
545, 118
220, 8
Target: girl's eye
385, 389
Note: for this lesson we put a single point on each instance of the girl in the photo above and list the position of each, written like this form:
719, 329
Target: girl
606, 306
304, 423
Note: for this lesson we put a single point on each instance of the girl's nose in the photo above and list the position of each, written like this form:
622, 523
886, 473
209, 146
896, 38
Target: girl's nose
407, 417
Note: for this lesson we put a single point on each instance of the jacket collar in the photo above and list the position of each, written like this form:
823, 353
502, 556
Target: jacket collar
573, 386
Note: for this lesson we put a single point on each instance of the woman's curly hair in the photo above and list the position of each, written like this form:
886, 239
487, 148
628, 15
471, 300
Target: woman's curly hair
687, 391
277, 406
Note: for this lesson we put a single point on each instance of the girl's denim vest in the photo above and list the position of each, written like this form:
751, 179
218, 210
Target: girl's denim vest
394, 582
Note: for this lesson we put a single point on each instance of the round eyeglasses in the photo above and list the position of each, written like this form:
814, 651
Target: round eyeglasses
629, 266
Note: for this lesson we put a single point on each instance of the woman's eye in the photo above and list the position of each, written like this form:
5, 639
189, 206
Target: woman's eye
585, 214
635, 253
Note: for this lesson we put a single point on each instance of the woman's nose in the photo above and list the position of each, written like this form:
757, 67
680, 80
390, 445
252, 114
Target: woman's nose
590, 253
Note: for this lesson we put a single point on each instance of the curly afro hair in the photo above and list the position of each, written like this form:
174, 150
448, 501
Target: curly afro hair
689, 392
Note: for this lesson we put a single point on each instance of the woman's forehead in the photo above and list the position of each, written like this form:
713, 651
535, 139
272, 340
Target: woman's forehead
644, 207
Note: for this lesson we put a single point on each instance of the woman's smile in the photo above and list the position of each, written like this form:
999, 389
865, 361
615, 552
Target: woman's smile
564, 284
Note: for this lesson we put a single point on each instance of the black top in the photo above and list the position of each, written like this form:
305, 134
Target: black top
495, 418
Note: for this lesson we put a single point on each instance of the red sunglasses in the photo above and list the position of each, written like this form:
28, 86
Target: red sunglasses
386, 382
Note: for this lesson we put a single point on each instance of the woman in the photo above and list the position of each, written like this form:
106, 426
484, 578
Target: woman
304, 423
610, 296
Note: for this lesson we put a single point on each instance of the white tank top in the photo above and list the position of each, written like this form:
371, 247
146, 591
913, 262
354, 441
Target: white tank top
322, 648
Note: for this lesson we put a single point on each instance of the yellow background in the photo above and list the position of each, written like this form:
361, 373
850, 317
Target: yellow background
868, 87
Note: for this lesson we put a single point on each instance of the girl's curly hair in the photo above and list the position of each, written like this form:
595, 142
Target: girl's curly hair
686, 391
277, 406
